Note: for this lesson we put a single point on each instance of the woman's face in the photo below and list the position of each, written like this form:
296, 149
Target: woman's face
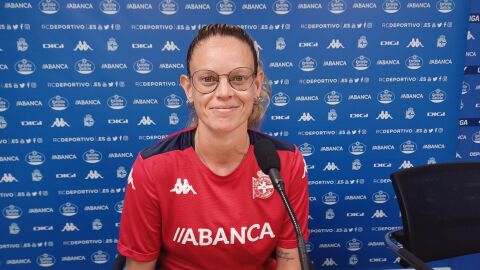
225, 109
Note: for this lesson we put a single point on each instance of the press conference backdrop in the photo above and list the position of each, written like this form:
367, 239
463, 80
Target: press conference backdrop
364, 88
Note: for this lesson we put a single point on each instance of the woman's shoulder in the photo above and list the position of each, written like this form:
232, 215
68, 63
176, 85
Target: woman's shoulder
179, 140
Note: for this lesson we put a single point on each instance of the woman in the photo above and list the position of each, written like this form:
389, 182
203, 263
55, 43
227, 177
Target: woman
197, 199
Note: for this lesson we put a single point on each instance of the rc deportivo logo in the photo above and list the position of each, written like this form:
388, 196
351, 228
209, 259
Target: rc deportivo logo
262, 186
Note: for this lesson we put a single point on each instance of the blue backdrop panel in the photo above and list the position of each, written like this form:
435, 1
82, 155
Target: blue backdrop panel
468, 144
364, 88
469, 135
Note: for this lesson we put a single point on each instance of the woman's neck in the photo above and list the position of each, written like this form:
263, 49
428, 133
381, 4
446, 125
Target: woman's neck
221, 152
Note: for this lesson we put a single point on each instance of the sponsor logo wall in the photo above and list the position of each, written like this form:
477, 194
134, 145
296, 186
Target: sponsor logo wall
469, 122
363, 88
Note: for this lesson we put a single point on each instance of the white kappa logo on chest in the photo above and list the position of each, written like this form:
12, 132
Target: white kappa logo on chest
262, 186
184, 188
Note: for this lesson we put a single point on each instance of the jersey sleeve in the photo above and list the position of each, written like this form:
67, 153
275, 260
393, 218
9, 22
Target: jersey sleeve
140, 225
296, 188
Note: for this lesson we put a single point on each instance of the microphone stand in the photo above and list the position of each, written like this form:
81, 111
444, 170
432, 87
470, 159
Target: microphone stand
302, 252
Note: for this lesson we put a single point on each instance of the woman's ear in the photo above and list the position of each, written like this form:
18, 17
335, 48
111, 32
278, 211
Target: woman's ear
259, 82
187, 87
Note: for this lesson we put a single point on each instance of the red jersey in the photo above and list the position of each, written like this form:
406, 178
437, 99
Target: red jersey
178, 210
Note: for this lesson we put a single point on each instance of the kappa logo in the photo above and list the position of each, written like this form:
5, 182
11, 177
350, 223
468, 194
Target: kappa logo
130, 179
384, 115
379, 214
305, 169
262, 186
70, 227
415, 43
335, 44
470, 36
82, 45
331, 166
94, 174
8, 178
60, 122
306, 117
146, 121
170, 46
329, 262
406, 164
184, 188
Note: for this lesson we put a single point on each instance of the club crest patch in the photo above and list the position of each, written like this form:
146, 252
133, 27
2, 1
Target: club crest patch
262, 186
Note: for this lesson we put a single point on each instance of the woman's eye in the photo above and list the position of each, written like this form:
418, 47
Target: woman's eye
208, 79
238, 78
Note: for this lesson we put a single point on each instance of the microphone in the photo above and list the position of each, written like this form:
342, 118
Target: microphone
269, 162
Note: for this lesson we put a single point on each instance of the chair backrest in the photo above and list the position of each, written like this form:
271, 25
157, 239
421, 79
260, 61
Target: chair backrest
440, 207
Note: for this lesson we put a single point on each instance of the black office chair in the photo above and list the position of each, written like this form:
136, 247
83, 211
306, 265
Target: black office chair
440, 207
119, 262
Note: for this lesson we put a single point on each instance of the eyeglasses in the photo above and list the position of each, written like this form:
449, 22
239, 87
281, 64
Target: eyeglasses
206, 81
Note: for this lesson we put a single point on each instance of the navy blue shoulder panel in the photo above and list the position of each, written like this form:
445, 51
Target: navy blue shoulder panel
177, 141
255, 136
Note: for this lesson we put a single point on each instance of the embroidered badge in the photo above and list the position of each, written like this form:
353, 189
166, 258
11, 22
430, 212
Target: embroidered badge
262, 186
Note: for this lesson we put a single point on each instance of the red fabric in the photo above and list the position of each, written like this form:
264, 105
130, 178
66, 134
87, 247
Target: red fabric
225, 223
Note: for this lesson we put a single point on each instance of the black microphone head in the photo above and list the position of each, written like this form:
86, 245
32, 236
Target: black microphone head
266, 155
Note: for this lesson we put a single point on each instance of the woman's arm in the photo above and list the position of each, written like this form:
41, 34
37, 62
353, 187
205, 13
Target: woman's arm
136, 265
287, 259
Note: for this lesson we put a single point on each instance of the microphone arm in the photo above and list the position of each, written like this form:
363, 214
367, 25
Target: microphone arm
277, 181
